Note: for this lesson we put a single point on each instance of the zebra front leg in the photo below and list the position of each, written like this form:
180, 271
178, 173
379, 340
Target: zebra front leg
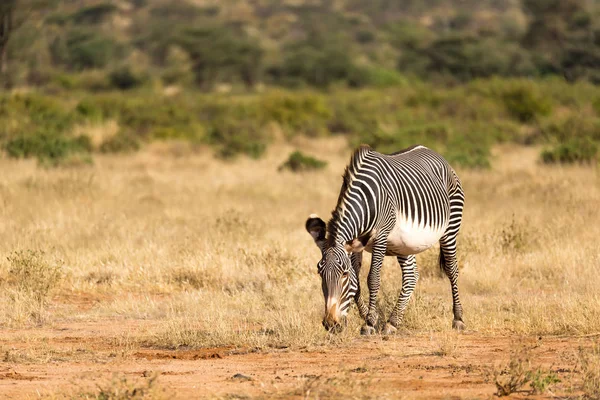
374, 281
410, 275
449, 263
363, 310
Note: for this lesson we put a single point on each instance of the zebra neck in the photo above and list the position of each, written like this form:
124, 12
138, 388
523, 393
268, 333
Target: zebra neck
343, 228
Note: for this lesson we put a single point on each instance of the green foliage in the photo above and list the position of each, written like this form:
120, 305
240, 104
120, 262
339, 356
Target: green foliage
49, 148
524, 104
85, 48
542, 380
120, 143
299, 162
236, 129
219, 54
299, 113
93, 14
125, 77
519, 373
356, 43
319, 62
574, 150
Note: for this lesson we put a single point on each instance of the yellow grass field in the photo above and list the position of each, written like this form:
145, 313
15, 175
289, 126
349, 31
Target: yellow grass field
166, 273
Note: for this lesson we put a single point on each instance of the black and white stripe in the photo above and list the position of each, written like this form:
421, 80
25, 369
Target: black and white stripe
397, 204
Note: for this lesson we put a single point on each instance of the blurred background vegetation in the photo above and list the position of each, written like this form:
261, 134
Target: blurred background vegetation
456, 75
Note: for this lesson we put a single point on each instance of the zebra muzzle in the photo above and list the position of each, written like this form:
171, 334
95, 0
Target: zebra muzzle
332, 315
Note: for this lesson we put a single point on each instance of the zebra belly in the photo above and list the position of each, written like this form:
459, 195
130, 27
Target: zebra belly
408, 237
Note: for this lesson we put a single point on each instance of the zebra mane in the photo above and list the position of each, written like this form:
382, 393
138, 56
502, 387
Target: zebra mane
350, 170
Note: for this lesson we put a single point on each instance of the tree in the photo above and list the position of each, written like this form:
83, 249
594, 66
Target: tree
7, 25
219, 54
13, 14
561, 37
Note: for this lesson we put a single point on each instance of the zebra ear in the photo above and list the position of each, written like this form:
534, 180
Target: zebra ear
317, 229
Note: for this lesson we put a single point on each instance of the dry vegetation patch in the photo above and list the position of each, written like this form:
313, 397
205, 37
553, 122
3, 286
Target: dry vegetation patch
212, 254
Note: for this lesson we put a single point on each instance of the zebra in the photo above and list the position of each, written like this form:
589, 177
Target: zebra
397, 204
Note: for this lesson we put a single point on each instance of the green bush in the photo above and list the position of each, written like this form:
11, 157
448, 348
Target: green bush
38, 111
296, 113
574, 126
100, 107
525, 105
125, 78
143, 116
122, 142
299, 162
237, 137
49, 148
93, 14
574, 150
86, 48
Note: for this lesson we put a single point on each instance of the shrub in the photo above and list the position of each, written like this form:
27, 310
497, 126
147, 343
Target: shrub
38, 110
235, 129
524, 104
29, 281
49, 148
125, 77
143, 116
299, 162
297, 113
578, 126
99, 107
121, 143
89, 49
375, 77
94, 14
574, 150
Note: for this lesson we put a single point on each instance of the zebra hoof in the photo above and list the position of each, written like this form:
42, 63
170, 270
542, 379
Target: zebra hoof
458, 325
389, 329
367, 330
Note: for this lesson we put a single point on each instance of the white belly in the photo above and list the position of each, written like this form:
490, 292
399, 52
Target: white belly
410, 238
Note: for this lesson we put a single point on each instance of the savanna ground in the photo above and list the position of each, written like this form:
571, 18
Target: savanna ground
166, 273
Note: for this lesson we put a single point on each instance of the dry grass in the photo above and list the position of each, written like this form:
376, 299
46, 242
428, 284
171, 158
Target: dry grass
119, 387
589, 360
217, 253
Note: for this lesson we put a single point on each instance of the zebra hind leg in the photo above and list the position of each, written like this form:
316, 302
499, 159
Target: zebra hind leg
410, 275
449, 263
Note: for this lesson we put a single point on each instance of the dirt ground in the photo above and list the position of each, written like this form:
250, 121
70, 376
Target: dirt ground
66, 360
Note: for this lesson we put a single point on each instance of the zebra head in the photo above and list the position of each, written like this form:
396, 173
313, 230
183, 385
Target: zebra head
338, 278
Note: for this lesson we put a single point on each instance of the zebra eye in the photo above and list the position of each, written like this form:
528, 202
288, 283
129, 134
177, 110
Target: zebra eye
345, 275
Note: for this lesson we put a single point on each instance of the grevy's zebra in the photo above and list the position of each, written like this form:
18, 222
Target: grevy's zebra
399, 205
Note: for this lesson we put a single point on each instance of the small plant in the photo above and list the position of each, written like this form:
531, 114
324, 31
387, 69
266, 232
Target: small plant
519, 373
30, 280
120, 388
513, 236
448, 344
298, 162
541, 380
31, 274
